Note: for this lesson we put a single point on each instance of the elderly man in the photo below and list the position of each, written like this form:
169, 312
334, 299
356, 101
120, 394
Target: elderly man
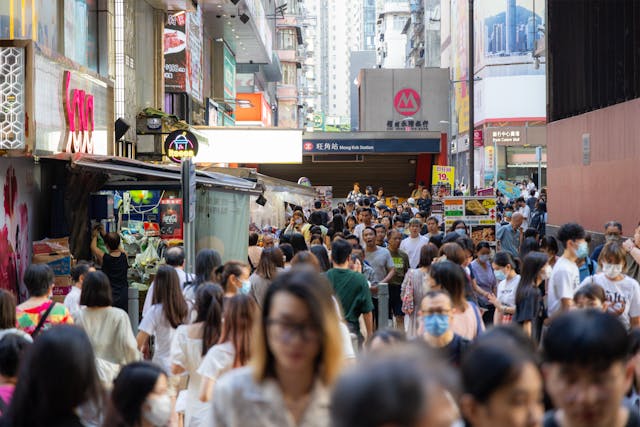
510, 235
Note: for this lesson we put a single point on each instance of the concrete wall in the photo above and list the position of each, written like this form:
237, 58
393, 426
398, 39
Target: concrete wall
606, 189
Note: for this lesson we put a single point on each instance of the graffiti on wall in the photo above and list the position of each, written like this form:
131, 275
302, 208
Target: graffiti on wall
15, 239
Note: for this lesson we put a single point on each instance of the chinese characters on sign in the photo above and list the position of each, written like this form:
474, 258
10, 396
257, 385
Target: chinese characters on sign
506, 137
80, 116
407, 125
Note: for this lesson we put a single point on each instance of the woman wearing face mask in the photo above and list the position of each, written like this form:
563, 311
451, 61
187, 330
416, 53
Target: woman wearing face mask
459, 227
139, 397
483, 279
506, 271
234, 346
235, 279
623, 292
535, 270
298, 224
296, 357
502, 383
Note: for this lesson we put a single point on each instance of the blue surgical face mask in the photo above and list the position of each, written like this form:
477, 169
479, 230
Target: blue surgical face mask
500, 276
246, 287
461, 231
508, 214
583, 250
436, 324
484, 258
401, 229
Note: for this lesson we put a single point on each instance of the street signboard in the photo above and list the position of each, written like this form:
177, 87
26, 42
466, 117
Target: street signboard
478, 213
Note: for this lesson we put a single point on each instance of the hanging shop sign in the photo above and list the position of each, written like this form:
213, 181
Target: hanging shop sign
179, 145
80, 115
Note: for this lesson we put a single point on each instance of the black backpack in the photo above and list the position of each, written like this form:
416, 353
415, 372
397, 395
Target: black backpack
537, 222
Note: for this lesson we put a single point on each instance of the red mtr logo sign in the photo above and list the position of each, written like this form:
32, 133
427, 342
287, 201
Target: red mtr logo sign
407, 102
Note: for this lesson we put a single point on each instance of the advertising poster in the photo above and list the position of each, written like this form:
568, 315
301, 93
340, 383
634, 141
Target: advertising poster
229, 74
325, 195
171, 218
175, 58
478, 213
508, 189
194, 54
442, 180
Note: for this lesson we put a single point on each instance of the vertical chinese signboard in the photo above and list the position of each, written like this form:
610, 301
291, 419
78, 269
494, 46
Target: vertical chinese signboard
478, 213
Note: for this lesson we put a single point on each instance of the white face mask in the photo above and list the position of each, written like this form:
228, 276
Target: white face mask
611, 270
159, 411
546, 272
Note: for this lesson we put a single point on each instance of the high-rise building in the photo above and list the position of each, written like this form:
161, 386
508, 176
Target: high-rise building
390, 40
369, 25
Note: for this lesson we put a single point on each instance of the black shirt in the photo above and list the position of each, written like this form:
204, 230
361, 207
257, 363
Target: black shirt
116, 270
454, 351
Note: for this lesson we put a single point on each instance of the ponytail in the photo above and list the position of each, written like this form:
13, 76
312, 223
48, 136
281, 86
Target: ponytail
209, 299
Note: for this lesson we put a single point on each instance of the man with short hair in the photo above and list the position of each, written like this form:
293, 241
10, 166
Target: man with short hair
437, 313
414, 243
352, 239
317, 207
587, 371
378, 258
268, 240
525, 211
351, 288
401, 264
510, 236
565, 276
433, 231
366, 217
612, 232
351, 207
381, 235
173, 257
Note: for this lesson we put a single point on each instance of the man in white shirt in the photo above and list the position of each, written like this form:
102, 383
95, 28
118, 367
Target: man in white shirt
414, 243
525, 211
366, 216
78, 273
175, 258
565, 277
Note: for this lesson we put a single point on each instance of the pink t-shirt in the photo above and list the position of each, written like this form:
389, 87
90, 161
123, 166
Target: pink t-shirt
6, 391
466, 324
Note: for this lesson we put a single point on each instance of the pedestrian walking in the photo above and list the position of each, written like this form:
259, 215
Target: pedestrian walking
414, 287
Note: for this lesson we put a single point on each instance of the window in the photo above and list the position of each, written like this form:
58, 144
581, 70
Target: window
289, 73
398, 22
287, 39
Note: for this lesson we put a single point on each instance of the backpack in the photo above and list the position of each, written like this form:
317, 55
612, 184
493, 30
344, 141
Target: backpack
537, 222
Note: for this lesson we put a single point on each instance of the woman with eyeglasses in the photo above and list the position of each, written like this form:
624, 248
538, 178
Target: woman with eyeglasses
296, 357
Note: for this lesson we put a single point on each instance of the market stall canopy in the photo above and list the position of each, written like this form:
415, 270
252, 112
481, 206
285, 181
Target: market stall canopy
124, 172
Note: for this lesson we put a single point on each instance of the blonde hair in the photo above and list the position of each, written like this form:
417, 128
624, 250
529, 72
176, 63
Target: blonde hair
315, 291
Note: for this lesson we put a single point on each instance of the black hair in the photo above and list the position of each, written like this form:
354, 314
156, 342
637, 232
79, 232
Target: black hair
570, 231
483, 245
174, 256
531, 266
340, 251
112, 240
493, 362
366, 210
12, 347
287, 251
96, 290
613, 224
456, 223
466, 243
38, 278
591, 292
130, 390
450, 237
530, 232
317, 204
387, 336
530, 244
586, 338
323, 257
207, 260
634, 342
398, 384
380, 226
79, 270
504, 258
209, 300
351, 237
373, 230
315, 218
253, 238
542, 206
452, 278
59, 369
298, 243
337, 223
549, 243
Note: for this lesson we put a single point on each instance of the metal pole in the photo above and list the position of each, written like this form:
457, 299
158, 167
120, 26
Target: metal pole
539, 155
495, 162
470, 72
383, 305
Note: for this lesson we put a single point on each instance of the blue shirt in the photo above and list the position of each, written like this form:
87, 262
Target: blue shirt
584, 269
509, 239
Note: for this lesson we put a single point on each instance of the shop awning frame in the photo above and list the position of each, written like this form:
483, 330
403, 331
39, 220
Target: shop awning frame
150, 174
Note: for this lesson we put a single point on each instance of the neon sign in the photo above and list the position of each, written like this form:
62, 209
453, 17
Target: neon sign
180, 144
79, 112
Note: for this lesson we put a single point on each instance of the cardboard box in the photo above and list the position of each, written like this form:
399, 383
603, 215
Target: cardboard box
63, 281
47, 246
60, 263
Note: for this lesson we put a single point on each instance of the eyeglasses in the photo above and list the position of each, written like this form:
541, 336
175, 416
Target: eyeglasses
285, 331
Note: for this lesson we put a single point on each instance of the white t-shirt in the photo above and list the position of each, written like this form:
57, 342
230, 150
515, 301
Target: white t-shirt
526, 213
72, 300
412, 247
219, 359
154, 323
564, 280
506, 292
357, 231
182, 275
623, 296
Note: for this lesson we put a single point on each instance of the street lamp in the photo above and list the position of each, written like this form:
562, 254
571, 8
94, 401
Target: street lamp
470, 72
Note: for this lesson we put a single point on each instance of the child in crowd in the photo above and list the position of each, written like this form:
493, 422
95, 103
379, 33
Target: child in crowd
590, 296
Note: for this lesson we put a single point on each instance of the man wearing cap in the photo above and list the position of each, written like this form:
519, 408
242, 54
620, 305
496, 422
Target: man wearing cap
412, 206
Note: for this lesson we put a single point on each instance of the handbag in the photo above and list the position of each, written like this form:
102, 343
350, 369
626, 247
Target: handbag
406, 295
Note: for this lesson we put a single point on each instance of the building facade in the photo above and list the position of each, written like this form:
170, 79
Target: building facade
391, 42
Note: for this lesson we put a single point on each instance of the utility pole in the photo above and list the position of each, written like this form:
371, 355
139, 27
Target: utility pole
470, 73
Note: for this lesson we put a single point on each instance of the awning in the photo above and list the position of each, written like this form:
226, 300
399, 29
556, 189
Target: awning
129, 173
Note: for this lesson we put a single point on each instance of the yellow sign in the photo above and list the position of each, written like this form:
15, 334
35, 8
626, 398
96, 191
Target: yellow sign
442, 180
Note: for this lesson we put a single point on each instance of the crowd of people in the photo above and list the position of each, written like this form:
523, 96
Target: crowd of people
522, 334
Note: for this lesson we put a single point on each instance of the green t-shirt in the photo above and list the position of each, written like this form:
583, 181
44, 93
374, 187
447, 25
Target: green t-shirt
401, 263
352, 290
